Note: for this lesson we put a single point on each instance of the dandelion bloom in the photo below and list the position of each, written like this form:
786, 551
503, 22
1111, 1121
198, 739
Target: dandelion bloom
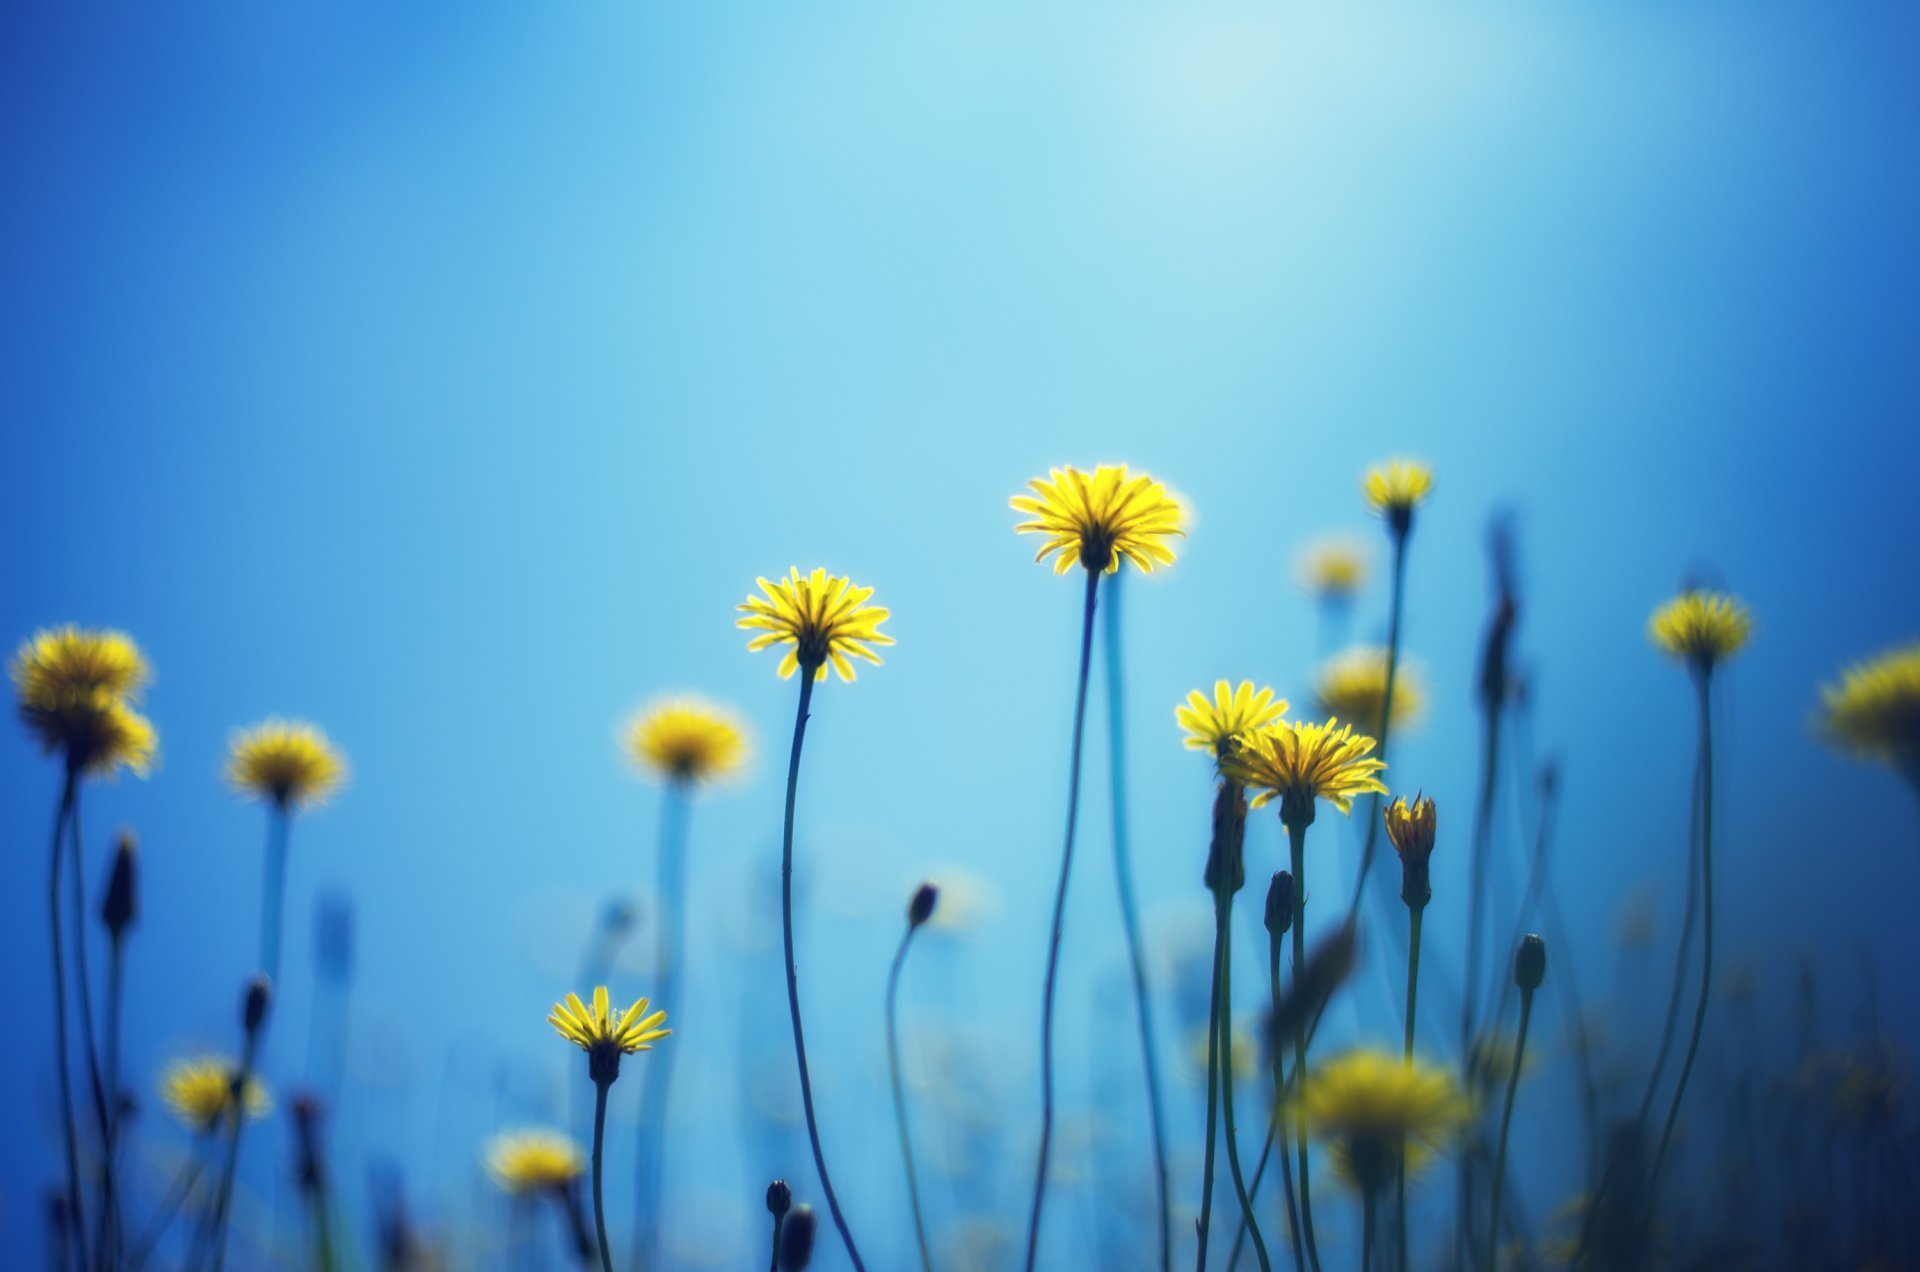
1366, 1104
1702, 627
823, 616
1302, 762
59, 661
1353, 686
1394, 489
287, 761
200, 1092
602, 1035
1333, 569
534, 1161
1095, 520
1874, 712
1410, 828
75, 689
687, 740
1233, 712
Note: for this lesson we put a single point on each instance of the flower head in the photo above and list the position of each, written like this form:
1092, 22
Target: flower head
1704, 628
1874, 712
687, 740
1410, 829
1301, 762
75, 689
200, 1092
533, 1161
823, 616
1333, 569
287, 761
1095, 520
1394, 489
1232, 713
1366, 1104
602, 1035
58, 661
1353, 686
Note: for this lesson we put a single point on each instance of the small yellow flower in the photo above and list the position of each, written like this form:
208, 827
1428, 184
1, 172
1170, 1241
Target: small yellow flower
602, 1035
534, 1161
1353, 686
287, 761
1095, 520
1366, 1104
1301, 762
823, 616
1874, 712
1333, 569
61, 661
687, 740
1233, 712
200, 1092
75, 689
1394, 489
1702, 627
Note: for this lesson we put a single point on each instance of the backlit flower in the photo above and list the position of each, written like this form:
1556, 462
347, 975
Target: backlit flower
534, 1161
687, 740
1232, 712
75, 689
1410, 828
200, 1092
604, 1036
1366, 1104
1333, 569
61, 661
1874, 712
1352, 685
1701, 627
1095, 520
1394, 489
1301, 762
287, 761
824, 617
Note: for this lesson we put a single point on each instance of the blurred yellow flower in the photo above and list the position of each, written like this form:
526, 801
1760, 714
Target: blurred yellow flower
1095, 520
1352, 685
200, 1092
1701, 627
824, 617
1303, 762
60, 661
75, 689
1874, 712
1394, 489
534, 1161
287, 761
604, 1037
1233, 712
687, 740
1366, 1104
1333, 569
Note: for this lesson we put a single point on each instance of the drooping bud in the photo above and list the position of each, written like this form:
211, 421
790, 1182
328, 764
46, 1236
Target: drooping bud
1530, 962
920, 909
253, 1011
121, 905
1410, 828
796, 1239
1226, 861
1279, 916
779, 1198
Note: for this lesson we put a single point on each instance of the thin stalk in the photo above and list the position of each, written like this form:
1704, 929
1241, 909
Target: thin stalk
273, 889
899, 1095
1415, 915
103, 1119
76, 1207
670, 946
1477, 881
1276, 1129
1367, 1207
322, 1231
1225, 1028
116, 997
793, 977
599, 1198
223, 1198
1691, 911
1205, 1224
1130, 916
1386, 719
177, 1193
1059, 918
1706, 926
1297, 844
1506, 1125
773, 1260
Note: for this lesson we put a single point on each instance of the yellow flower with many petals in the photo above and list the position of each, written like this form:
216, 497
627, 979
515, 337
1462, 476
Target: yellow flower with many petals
1298, 763
687, 740
1394, 489
1365, 1105
1232, 713
823, 616
1096, 519
75, 689
1353, 686
287, 761
604, 1036
200, 1092
1704, 628
1333, 569
1874, 712
534, 1161
62, 661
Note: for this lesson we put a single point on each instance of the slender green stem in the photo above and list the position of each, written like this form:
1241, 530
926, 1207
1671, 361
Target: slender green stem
1372, 842
177, 1193
899, 1095
1224, 1025
1297, 844
670, 945
773, 1260
1130, 915
599, 1191
116, 997
807, 672
1276, 1128
236, 1113
1059, 919
1506, 1126
1415, 915
1691, 911
1706, 927
1205, 1225
273, 889
96, 1087
76, 1208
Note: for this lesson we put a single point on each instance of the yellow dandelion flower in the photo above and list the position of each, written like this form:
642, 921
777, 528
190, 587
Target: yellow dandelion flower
1367, 1103
1333, 569
604, 1036
534, 1161
287, 761
1702, 627
74, 692
823, 616
99, 733
200, 1092
1302, 762
1233, 712
1874, 712
1096, 519
60, 662
687, 740
1352, 685
1394, 489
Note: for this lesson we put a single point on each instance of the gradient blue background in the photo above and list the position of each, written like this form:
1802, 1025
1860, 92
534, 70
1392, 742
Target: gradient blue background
446, 374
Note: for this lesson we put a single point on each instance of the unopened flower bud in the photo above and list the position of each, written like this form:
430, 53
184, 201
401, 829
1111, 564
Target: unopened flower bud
259, 997
1280, 904
920, 909
1410, 828
796, 1239
1226, 860
1530, 962
121, 905
779, 1198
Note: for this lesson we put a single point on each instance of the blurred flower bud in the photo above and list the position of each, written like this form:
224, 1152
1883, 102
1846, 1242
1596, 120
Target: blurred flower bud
121, 906
920, 909
1530, 963
1280, 904
796, 1239
779, 1198
259, 997
1226, 862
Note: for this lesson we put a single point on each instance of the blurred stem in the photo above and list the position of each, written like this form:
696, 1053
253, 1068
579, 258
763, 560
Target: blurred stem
1059, 917
899, 1096
1130, 915
1276, 1128
1224, 1025
1386, 720
237, 1113
177, 1193
1680, 956
807, 673
669, 949
599, 1198
1297, 845
322, 1230
1367, 1207
1477, 871
103, 1120
1506, 1125
273, 889
1415, 915
116, 997
1213, 1081
76, 1209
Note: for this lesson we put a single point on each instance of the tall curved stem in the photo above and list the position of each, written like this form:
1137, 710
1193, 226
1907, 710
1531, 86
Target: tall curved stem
1706, 926
1297, 845
899, 1094
1506, 1126
1224, 1027
76, 1209
599, 1198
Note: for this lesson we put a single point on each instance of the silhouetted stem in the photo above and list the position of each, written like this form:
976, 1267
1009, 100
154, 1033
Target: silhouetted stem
899, 1095
77, 1211
599, 1191
1297, 843
1691, 912
116, 997
1506, 1126
103, 1119
177, 1193
1366, 1230
1224, 1025
1059, 918
1386, 720
237, 1111
669, 949
1415, 914
773, 1260
1213, 1083
273, 889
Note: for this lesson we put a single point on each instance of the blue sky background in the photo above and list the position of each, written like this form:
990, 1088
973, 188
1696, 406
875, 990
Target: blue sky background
445, 376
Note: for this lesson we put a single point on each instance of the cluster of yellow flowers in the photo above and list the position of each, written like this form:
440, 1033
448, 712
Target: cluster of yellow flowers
77, 690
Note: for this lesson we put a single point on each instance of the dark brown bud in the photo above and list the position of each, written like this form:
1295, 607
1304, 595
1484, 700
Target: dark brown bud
253, 1010
796, 1239
1226, 861
1530, 962
121, 905
1410, 828
779, 1198
920, 909
1280, 904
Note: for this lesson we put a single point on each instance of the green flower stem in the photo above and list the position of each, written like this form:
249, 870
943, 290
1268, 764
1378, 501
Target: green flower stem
807, 671
1276, 1127
273, 889
1130, 916
599, 1199
1059, 917
1386, 720
1213, 1083
1297, 845
237, 1106
773, 1260
670, 934
899, 1096
1506, 1125
76, 1205
1691, 911
103, 1119
1415, 914
1224, 1026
